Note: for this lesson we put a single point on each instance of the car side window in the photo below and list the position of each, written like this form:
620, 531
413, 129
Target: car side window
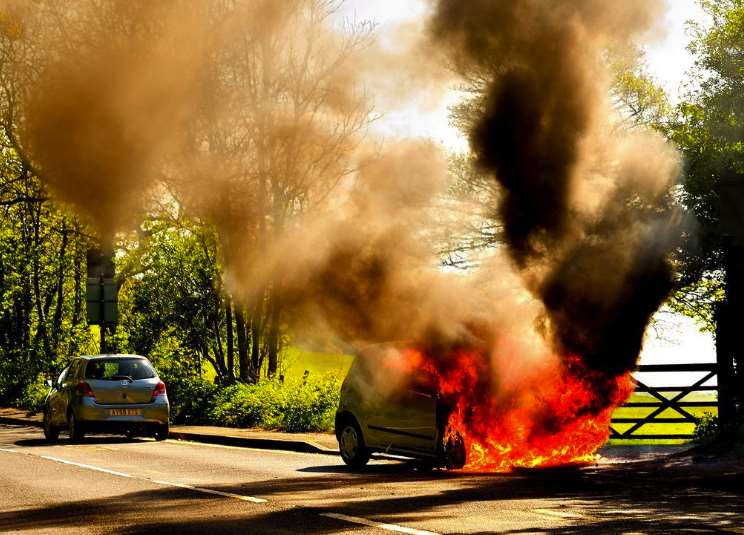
63, 376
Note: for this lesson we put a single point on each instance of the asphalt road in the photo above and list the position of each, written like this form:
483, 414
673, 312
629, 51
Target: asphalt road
110, 485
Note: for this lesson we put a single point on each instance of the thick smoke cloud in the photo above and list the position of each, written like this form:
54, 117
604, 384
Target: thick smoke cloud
585, 219
252, 115
109, 106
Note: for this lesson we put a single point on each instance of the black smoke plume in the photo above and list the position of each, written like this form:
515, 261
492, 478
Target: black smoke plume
596, 259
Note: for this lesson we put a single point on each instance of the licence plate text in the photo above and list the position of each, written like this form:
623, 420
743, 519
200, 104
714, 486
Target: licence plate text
124, 412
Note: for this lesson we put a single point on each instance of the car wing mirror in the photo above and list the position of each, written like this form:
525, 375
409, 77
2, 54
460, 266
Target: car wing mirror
50, 383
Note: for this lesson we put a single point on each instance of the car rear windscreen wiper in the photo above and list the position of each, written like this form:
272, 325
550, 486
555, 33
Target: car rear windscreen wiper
117, 377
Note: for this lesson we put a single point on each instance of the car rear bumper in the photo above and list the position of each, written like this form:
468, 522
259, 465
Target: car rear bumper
92, 413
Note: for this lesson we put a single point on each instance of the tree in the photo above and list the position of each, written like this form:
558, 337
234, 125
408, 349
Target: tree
271, 124
172, 305
280, 121
709, 131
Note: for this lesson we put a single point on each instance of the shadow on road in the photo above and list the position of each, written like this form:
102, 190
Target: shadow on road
647, 497
401, 467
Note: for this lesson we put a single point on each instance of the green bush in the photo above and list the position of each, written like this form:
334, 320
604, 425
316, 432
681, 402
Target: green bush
190, 398
293, 407
311, 406
242, 405
33, 395
707, 428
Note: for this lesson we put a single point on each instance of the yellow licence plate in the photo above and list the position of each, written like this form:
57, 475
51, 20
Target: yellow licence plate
124, 412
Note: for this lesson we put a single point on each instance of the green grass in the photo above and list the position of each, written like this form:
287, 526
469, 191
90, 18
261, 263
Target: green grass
295, 362
660, 428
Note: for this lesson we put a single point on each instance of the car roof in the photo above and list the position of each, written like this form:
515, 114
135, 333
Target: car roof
110, 357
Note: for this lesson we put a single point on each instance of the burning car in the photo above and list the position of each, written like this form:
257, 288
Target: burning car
386, 408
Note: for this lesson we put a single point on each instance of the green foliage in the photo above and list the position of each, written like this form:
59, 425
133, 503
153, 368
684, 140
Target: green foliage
636, 94
707, 428
33, 395
242, 405
190, 398
292, 407
311, 406
707, 128
699, 300
42, 271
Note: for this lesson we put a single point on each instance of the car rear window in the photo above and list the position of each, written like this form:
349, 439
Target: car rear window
113, 369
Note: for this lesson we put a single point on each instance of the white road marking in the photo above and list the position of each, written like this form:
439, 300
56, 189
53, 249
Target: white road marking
241, 497
88, 466
379, 525
346, 518
211, 491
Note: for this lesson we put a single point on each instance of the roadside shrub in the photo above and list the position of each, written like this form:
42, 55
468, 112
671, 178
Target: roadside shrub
190, 398
707, 428
242, 405
294, 407
297, 406
33, 395
311, 406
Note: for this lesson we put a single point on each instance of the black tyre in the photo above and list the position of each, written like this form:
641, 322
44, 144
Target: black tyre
354, 451
51, 432
455, 454
161, 432
75, 428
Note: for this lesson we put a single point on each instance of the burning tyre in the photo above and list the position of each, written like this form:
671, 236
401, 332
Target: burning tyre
454, 452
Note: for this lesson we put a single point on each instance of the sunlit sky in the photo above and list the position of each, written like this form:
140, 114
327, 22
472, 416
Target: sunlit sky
675, 338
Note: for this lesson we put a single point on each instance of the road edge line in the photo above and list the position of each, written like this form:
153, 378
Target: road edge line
380, 525
241, 497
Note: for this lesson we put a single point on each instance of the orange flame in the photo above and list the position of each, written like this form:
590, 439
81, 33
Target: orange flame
562, 417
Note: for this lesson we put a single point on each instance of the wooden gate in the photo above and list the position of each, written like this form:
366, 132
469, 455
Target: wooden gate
674, 400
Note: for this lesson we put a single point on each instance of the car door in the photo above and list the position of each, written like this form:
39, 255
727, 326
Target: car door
57, 403
69, 385
407, 418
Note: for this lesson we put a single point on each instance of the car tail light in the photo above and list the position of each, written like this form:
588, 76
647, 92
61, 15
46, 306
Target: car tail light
85, 390
159, 390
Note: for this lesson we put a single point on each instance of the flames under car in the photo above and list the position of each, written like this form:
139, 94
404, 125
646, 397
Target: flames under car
388, 410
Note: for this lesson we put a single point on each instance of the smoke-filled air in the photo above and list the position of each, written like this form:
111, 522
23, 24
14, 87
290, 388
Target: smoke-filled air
258, 116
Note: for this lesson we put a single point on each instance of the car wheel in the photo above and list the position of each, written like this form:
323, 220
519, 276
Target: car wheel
75, 428
161, 432
51, 433
351, 444
455, 454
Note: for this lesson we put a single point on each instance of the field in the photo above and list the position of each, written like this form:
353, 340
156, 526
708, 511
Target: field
661, 428
295, 362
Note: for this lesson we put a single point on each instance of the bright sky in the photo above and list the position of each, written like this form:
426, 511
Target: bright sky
674, 338
668, 58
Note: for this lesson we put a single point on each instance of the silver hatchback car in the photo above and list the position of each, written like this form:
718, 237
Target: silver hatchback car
107, 393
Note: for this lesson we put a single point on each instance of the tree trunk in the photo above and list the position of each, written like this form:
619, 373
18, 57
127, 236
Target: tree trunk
256, 326
245, 367
273, 341
230, 343
729, 345
59, 305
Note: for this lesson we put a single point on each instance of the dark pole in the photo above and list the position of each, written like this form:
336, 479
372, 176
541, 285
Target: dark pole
729, 350
103, 316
